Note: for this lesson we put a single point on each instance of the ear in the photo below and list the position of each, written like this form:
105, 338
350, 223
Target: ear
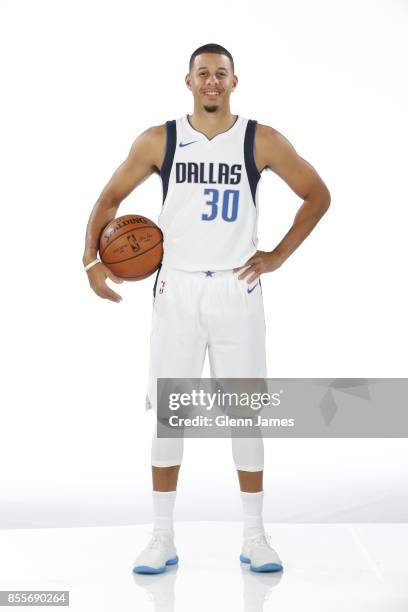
234, 82
188, 80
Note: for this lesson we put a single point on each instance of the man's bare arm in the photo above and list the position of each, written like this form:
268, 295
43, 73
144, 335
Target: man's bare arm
274, 151
144, 158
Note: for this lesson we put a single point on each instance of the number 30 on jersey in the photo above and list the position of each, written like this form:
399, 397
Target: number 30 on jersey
228, 206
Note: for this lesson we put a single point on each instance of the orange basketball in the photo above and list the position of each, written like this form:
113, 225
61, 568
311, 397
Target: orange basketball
131, 246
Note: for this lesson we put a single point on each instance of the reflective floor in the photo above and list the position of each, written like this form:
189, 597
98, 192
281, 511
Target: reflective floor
330, 568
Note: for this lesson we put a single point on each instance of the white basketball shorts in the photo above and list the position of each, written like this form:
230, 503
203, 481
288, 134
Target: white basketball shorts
196, 311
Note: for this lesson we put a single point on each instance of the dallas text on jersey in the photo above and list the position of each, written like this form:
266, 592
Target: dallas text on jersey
192, 172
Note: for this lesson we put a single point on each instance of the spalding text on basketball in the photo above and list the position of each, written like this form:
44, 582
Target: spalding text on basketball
123, 223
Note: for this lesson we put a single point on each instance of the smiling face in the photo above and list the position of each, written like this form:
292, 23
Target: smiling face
211, 81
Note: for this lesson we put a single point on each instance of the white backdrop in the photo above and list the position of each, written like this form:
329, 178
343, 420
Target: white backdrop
81, 80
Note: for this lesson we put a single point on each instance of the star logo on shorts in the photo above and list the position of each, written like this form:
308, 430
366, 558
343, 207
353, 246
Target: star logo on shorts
209, 273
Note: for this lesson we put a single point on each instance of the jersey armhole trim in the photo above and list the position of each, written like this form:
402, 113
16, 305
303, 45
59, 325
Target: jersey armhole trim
249, 144
171, 138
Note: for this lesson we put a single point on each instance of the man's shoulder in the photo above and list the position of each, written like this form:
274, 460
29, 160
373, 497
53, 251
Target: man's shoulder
266, 132
266, 138
150, 144
154, 132
154, 137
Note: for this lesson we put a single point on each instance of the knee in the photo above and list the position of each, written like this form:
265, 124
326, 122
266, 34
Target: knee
248, 454
167, 452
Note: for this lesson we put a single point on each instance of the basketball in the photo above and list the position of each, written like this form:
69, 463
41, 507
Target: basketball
131, 246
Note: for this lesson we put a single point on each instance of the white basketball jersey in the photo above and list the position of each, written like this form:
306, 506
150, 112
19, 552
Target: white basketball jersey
210, 204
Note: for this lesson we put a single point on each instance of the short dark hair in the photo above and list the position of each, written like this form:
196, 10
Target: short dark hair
211, 48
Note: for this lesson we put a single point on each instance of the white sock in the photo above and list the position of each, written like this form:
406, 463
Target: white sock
163, 507
252, 511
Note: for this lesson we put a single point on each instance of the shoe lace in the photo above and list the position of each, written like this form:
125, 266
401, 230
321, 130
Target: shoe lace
156, 541
261, 539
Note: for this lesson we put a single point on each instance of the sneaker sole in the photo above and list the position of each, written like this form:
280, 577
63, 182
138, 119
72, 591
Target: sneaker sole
146, 569
266, 567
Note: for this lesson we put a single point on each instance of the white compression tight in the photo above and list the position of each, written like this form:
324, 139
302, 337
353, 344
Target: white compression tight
247, 453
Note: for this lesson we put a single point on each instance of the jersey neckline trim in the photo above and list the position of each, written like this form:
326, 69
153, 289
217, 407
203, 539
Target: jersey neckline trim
187, 120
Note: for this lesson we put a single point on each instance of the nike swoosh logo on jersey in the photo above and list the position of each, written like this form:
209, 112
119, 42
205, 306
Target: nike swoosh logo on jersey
185, 144
251, 290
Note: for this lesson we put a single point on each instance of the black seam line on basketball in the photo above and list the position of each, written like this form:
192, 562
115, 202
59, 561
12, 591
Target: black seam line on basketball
124, 234
215, 136
112, 263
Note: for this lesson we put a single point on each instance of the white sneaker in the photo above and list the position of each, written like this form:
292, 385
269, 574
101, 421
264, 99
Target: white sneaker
257, 551
159, 552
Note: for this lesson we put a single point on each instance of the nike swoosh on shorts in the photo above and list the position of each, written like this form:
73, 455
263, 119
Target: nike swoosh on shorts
250, 290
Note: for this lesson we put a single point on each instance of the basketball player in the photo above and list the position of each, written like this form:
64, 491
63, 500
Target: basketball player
207, 293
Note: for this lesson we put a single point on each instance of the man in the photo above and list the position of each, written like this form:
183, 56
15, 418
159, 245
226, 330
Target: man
207, 293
